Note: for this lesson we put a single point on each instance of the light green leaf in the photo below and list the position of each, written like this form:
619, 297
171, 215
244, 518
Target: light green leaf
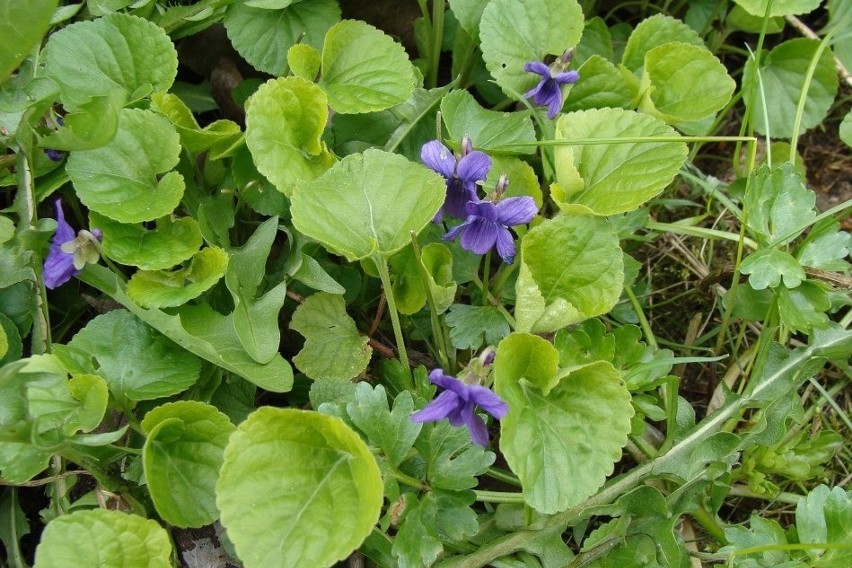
126, 179
21, 26
515, 33
602, 84
671, 91
533, 359
285, 471
469, 13
778, 204
392, 431
521, 176
182, 455
263, 37
489, 131
572, 269
256, 318
741, 20
368, 203
654, 32
564, 444
596, 40
845, 129
827, 247
803, 308
304, 61
333, 347
92, 125
284, 122
768, 266
416, 542
162, 289
118, 52
408, 278
144, 365
270, 4
473, 326
82, 538
840, 17
779, 7
220, 138
364, 70
170, 243
766, 536
13, 346
614, 178
452, 460
783, 73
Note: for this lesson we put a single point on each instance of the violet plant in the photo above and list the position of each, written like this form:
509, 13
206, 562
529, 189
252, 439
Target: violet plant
287, 339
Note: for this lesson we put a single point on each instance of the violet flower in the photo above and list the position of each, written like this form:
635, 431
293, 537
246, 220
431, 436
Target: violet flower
458, 401
461, 174
69, 253
488, 224
549, 90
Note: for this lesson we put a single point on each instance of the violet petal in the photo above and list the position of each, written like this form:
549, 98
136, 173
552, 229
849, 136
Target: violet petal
473, 168
438, 157
516, 210
479, 236
538, 67
505, 245
488, 400
478, 431
440, 408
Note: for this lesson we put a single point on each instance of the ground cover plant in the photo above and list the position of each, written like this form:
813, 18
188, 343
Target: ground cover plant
479, 282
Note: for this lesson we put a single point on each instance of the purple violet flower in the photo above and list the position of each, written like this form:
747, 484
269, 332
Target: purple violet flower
549, 90
461, 174
458, 401
54, 155
488, 224
69, 253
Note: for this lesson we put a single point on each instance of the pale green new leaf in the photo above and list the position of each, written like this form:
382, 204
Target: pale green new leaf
220, 138
182, 455
143, 365
118, 52
368, 203
304, 61
171, 242
562, 445
654, 32
364, 70
92, 125
333, 347
614, 178
515, 33
263, 37
572, 269
469, 13
783, 72
82, 538
778, 7
290, 479
167, 289
845, 129
129, 179
21, 26
284, 122
489, 131
602, 85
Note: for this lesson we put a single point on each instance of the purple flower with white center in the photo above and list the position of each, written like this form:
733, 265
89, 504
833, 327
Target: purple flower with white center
462, 174
69, 252
548, 92
458, 401
488, 223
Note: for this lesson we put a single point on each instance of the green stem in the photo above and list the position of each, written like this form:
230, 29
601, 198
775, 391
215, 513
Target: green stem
498, 497
643, 321
384, 275
803, 96
438, 330
486, 273
709, 523
503, 476
16, 557
702, 232
437, 42
783, 497
503, 274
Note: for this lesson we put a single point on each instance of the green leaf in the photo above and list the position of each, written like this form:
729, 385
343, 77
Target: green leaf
840, 16
82, 537
21, 26
368, 203
263, 37
602, 85
436, 264
182, 455
162, 289
564, 444
533, 359
144, 365
489, 131
220, 138
515, 33
417, 542
92, 125
13, 522
171, 242
613, 178
364, 70
333, 347
766, 535
571, 270
392, 431
803, 308
671, 91
741, 20
778, 7
596, 40
256, 317
768, 266
469, 13
304, 61
783, 72
778, 204
12, 343
285, 119
473, 326
845, 129
119, 52
130, 170
296, 467
452, 460
826, 247
654, 32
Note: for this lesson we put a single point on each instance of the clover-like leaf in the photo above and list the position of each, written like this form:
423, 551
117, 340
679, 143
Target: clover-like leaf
82, 537
767, 267
392, 431
129, 179
163, 289
293, 468
368, 203
473, 326
182, 455
120, 52
364, 70
170, 243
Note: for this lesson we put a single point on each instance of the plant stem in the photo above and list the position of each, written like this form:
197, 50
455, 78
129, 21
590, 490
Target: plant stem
438, 330
702, 232
498, 497
803, 96
437, 42
503, 476
486, 273
709, 523
643, 321
384, 275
